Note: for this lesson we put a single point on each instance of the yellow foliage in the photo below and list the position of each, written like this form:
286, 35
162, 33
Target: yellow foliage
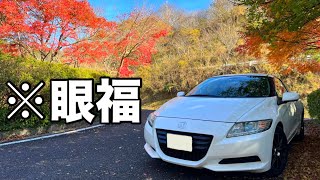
241, 41
220, 49
182, 63
240, 10
193, 34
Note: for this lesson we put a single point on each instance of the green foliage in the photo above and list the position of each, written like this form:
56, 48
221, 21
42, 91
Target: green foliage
18, 70
268, 18
314, 104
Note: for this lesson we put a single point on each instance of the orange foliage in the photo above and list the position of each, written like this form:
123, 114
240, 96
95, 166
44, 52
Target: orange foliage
287, 49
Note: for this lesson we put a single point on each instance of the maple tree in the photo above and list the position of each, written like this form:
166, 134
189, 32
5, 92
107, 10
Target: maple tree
288, 31
135, 39
94, 50
131, 43
43, 28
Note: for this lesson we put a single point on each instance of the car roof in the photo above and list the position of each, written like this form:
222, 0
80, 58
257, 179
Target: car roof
249, 74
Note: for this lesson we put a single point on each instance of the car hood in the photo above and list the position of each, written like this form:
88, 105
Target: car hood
211, 109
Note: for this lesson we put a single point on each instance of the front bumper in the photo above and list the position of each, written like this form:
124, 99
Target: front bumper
220, 148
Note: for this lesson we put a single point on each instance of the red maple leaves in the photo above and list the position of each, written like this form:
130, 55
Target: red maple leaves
41, 28
70, 30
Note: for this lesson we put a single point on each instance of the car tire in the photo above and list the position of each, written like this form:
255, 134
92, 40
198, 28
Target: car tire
279, 157
300, 136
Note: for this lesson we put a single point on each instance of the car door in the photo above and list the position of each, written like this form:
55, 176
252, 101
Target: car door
286, 111
298, 114
299, 106
296, 108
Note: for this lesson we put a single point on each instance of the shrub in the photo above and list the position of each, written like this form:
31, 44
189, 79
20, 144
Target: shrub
314, 104
18, 70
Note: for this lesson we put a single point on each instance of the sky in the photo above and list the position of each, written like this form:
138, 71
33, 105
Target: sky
111, 9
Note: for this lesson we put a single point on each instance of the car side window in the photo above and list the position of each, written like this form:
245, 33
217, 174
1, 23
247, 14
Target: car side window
280, 88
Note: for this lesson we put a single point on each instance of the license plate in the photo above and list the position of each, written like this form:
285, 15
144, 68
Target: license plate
179, 142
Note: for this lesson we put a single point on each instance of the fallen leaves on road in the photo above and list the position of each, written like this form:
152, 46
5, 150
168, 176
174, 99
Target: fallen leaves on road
304, 157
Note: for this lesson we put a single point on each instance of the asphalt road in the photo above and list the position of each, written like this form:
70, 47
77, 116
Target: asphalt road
107, 152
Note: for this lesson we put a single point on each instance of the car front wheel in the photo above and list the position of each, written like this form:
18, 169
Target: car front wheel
279, 153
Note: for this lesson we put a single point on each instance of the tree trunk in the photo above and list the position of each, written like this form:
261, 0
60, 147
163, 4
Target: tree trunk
120, 66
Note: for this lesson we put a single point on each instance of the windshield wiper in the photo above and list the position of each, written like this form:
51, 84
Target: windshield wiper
202, 95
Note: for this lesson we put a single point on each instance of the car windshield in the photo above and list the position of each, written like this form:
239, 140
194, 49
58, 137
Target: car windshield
233, 86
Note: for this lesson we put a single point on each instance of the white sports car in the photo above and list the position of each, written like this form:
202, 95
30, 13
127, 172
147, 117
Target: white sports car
228, 123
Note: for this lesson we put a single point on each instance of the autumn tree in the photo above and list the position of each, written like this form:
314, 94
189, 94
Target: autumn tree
199, 46
135, 39
288, 29
43, 28
94, 51
227, 22
171, 15
131, 43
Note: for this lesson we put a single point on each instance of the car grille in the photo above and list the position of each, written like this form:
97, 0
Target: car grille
200, 145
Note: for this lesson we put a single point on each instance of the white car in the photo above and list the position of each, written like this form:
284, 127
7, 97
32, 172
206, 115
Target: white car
228, 123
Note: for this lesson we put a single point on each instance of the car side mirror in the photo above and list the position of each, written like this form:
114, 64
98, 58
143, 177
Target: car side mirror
290, 96
180, 94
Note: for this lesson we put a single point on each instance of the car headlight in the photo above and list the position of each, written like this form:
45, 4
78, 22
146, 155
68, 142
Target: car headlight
251, 127
151, 119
